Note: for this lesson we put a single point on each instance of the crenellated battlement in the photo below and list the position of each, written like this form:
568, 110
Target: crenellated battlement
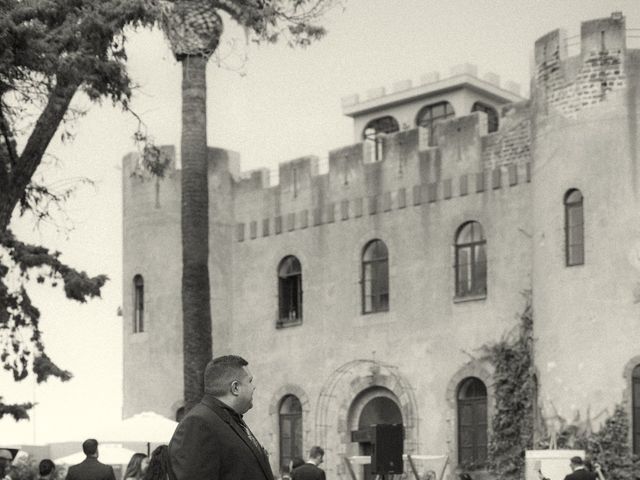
502, 177
417, 167
569, 84
428, 82
453, 158
466, 161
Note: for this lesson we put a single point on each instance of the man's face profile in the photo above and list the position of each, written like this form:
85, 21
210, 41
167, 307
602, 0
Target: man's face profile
245, 389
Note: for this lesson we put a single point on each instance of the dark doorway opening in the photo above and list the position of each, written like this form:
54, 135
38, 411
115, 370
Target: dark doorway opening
378, 410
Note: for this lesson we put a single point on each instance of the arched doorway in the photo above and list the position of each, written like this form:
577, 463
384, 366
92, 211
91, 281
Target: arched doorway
377, 406
472, 423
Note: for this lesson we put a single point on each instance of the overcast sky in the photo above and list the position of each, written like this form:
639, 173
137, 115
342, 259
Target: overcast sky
277, 105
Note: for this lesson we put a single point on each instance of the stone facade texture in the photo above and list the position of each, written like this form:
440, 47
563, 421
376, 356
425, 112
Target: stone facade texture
579, 130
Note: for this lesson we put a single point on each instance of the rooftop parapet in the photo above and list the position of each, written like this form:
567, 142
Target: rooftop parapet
603, 34
404, 91
132, 163
253, 180
462, 147
567, 84
295, 175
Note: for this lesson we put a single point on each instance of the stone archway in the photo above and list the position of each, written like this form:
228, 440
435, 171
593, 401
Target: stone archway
336, 408
373, 406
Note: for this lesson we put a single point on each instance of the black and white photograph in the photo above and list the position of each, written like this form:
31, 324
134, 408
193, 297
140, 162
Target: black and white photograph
320, 240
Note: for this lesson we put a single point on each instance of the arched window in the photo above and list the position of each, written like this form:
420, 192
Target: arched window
574, 228
138, 304
429, 115
375, 277
290, 421
492, 115
635, 420
471, 260
472, 423
289, 291
374, 132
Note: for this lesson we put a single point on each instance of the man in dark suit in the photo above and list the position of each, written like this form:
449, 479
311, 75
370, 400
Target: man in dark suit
212, 442
580, 472
310, 470
90, 468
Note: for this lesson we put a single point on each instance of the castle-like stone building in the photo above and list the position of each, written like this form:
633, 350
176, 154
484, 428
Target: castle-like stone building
364, 295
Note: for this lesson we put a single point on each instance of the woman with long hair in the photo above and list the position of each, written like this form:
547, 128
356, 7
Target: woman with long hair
159, 466
137, 467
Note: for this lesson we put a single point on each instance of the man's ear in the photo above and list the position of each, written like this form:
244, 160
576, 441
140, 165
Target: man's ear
235, 387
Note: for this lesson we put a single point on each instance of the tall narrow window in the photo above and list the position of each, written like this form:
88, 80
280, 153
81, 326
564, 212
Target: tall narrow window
375, 277
374, 132
289, 291
492, 115
290, 420
471, 261
574, 228
138, 304
635, 420
472, 423
429, 115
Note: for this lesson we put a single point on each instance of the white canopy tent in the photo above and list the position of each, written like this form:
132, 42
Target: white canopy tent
109, 453
147, 427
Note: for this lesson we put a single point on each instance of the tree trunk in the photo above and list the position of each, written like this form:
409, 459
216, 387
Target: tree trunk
15, 174
196, 303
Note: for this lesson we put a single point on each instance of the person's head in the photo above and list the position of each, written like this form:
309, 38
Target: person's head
5, 461
90, 447
136, 467
229, 379
576, 462
295, 462
46, 468
159, 467
316, 454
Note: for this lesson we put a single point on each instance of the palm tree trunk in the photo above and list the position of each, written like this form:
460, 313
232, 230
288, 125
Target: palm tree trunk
196, 303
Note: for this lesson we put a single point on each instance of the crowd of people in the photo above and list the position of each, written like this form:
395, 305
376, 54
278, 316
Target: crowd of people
213, 442
140, 467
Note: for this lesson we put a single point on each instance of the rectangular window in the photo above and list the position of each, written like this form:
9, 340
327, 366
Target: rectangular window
574, 235
471, 270
138, 320
290, 299
376, 287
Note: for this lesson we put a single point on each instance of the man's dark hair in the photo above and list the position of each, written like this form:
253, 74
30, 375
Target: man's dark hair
90, 446
316, 452
220, 372
45, 467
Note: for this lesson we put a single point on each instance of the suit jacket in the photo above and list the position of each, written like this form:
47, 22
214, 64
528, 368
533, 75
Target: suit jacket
90, 469
581, 474
209, 444
308, 471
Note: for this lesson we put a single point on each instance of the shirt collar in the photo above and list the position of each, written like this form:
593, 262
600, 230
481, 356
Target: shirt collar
216, 401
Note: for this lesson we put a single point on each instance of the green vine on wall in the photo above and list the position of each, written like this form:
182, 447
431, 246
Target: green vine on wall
609, 446
513, 423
